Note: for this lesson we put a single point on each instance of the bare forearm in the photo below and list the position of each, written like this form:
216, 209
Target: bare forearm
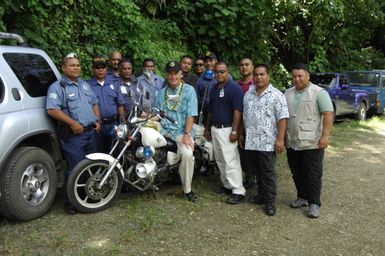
236, 119
281, 129
95, 108
59, 115
189, 124
327, 123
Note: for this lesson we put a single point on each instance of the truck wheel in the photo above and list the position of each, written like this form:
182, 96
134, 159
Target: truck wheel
27, 184
361, 113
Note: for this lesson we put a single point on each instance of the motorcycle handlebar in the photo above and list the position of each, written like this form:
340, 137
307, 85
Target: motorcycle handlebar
164, 115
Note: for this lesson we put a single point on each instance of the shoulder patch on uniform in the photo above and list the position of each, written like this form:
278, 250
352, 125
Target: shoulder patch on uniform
53, 95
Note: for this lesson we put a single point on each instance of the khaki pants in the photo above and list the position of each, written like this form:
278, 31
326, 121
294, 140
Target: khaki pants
186, 168
227, 157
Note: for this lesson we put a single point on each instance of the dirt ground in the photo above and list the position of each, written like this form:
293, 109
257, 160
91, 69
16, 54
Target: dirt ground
352, 220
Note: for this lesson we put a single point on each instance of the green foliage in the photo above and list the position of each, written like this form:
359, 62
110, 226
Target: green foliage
330, 35
92, 28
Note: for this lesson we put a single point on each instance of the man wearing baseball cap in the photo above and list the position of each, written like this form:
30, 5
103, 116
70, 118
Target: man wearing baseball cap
179, 101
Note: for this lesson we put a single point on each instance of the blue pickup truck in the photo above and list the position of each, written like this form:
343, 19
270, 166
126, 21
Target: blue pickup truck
346, 99
374, 83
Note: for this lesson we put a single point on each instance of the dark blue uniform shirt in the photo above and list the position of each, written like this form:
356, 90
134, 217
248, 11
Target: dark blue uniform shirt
223, 101
109, 97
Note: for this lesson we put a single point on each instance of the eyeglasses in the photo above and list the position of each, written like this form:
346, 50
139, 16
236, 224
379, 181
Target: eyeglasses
220, 71
199, 64
71, 55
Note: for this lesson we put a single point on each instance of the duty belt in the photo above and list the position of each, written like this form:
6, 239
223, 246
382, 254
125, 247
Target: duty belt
109, 120
222, 125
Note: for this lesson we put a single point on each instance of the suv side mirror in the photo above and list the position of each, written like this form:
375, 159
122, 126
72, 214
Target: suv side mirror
344, 86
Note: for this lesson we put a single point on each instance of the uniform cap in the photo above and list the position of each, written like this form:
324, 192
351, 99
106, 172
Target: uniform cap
99, 61
173, 66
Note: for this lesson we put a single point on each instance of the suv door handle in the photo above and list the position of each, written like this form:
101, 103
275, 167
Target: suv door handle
15, 94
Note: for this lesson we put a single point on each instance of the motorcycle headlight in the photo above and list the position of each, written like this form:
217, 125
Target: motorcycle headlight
121, 131
145, 152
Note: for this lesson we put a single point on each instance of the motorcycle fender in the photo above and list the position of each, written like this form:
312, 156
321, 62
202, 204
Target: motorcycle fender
105, 157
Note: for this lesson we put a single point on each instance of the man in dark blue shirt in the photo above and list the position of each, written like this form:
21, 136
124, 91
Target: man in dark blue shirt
225, 108
110, 100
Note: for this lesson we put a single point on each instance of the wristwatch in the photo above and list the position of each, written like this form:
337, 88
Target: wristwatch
188, 133
233, 132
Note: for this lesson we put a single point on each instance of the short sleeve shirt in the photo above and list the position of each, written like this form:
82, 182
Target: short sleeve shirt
182, 106
74, 99
260, 118
152, 87
109, 97
223, 101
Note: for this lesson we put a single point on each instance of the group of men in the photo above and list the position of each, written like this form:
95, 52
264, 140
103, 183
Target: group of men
249, 122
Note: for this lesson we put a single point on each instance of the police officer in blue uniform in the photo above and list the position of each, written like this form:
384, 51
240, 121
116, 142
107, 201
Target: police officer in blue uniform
111, 103
74, 105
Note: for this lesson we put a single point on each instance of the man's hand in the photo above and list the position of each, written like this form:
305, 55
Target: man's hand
186, 139
279, 146
323, 142
207, 134
233, 137
77, 128
241, 141
98, 127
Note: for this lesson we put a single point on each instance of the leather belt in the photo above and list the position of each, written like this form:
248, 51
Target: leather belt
89, 127
222, 125
109, 120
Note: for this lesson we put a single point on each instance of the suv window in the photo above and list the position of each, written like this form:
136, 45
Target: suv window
2, 90
323, 80
33, 72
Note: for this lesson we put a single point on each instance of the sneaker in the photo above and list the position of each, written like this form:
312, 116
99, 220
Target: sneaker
235, 199
313, 211
191, 197
298, 203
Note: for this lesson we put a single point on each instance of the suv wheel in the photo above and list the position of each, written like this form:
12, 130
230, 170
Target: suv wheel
361, 113
28, 184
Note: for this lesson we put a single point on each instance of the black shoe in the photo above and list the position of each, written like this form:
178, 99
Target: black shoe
258, 199
270, 209
235, 199
70, 209
248, 184
223, 190
191, 197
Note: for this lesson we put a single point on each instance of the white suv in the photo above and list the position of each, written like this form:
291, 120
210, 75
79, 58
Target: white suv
31, 164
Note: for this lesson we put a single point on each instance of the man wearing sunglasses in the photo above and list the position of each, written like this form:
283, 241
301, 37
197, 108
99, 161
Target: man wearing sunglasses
199, 66
111, 102
225, 108
74, 105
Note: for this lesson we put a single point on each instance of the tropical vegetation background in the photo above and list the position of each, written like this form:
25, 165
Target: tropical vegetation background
331, 35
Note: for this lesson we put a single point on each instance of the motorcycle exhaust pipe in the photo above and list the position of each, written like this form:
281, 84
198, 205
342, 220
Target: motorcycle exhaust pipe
143, 170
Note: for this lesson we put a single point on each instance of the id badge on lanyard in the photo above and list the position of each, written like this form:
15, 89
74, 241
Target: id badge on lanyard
222, 93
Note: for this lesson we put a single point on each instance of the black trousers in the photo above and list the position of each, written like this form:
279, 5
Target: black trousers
306, 167
247, 168
264, 164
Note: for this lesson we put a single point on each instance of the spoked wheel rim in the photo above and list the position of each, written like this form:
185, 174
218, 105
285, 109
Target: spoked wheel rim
85, 187
34, 184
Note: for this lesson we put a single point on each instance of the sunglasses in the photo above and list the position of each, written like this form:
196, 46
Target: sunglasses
220, 71
71, 55
199, 64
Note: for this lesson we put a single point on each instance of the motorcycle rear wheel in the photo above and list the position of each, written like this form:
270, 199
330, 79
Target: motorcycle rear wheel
82, 188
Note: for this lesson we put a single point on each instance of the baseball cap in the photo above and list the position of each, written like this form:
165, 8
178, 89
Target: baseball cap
173, 66
99, 61
210, 55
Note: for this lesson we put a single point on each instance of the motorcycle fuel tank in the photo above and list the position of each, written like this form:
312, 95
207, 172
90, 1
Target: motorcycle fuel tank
151, 137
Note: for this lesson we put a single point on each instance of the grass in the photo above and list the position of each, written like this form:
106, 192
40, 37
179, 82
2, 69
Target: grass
138, 221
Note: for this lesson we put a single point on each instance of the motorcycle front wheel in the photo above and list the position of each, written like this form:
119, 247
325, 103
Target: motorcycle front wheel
82, 186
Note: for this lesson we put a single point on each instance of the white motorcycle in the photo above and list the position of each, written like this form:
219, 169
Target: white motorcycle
141, 157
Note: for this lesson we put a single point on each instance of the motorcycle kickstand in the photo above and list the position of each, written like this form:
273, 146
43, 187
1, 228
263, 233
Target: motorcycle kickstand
154, 189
